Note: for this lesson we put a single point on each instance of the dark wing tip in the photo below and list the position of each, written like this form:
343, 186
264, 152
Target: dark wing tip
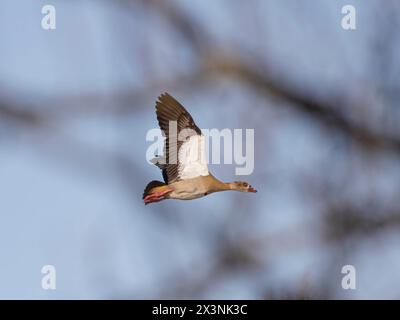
168, 108
162, 96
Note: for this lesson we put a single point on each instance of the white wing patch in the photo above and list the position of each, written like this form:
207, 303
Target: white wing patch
192, 158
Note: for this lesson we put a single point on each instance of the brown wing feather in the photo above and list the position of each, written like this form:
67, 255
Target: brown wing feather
169, 109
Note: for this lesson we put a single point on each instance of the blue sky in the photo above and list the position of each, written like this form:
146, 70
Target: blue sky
82, 218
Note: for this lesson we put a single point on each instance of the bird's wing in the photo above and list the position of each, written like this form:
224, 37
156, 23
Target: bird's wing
182, 159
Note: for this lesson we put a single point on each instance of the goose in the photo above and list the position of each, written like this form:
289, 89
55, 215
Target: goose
183, 164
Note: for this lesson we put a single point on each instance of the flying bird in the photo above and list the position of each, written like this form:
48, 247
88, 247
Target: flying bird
183, 163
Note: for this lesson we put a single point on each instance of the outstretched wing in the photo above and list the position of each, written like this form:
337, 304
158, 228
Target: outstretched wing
184, 148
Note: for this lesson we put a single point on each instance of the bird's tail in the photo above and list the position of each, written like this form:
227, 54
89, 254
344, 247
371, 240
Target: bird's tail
153, 186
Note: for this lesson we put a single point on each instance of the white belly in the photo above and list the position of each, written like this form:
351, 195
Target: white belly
186, 195
188, 190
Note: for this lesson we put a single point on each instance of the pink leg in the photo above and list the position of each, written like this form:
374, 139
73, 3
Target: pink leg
156, 196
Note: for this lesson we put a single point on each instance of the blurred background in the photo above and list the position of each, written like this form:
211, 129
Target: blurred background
76, 104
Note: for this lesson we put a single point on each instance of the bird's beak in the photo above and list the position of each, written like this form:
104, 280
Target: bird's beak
251, 189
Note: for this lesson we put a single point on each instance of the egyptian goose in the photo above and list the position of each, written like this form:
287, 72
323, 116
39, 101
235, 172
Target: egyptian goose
183, 164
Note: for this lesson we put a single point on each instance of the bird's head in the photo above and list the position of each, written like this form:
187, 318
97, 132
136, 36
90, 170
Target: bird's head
242, 186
